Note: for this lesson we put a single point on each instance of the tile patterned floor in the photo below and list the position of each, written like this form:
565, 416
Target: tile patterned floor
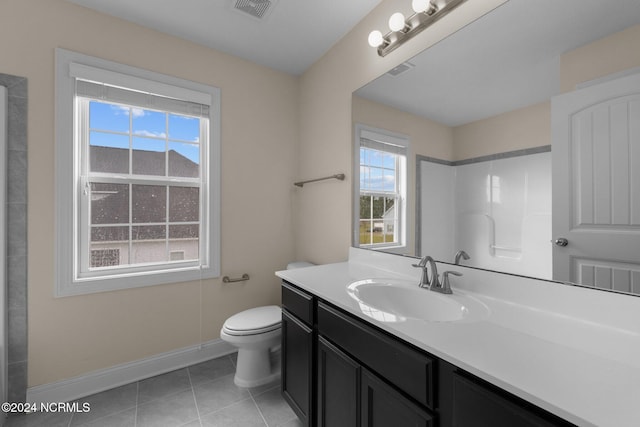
201, 395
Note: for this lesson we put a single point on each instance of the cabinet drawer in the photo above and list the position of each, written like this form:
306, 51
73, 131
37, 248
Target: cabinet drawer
298, 302
475, 405
406, 368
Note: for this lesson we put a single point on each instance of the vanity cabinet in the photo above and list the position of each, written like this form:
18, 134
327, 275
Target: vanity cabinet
298, 352
359, 375
350, 395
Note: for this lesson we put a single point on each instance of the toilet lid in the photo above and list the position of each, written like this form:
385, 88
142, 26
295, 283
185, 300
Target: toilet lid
254, 321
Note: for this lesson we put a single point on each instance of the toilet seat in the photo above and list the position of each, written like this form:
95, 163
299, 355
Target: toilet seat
254, 321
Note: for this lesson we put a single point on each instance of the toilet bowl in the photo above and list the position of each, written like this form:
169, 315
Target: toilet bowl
256, 333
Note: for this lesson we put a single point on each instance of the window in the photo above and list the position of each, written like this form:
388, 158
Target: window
381, 189
137, 177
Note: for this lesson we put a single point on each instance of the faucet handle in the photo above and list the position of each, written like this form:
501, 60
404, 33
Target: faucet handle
446, 286
424, 278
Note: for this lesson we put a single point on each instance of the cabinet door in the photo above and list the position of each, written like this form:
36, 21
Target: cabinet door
406, 368
382, 406
478, 406
297, 366
338, 387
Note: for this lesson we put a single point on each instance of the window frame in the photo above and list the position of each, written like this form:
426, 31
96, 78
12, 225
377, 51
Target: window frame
401, 143
69, 186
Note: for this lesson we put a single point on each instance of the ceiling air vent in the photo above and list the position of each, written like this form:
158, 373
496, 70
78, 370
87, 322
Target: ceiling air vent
400, 69
258, 9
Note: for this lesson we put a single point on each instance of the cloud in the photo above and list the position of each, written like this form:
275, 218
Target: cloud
124, 110
151, 134
137, 112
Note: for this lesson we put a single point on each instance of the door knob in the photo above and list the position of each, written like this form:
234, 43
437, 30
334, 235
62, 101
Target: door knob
561, 241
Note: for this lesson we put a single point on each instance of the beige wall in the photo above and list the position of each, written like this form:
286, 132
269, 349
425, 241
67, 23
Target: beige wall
611, 54
515, 130
323, 211
75, 335
427, 138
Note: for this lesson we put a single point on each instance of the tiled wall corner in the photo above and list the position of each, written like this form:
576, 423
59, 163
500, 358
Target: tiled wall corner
17, 234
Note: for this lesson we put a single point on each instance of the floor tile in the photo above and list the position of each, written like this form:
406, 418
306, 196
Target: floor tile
163, 386
106, 403
215, 395
39, 419
211, 370
120, 419
176, 410
292, 423
241, 414
256, 391
274, 409
200, 395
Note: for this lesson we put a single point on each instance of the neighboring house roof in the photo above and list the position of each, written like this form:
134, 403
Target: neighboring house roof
116, 160
110, 202
390, 213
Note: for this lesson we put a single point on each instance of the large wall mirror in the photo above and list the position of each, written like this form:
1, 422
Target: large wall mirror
480, 110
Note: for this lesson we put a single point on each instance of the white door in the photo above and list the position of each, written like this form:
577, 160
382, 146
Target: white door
596, 185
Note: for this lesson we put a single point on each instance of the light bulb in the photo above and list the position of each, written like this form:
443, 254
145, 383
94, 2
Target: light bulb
396, 22
420, 5
375, 38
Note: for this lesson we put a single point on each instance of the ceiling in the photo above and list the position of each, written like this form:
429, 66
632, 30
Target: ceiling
291, 36
506, 60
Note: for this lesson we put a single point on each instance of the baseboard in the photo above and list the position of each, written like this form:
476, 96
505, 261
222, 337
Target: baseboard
105, 379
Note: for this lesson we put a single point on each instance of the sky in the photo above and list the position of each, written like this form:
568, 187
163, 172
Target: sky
377, 170
111, 125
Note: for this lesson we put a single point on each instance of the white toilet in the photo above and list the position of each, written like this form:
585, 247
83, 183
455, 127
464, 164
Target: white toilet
256, 334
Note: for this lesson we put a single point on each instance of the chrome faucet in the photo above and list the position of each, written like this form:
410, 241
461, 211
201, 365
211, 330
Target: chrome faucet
424, 278
425, 281
460, 254
446, 286
433, 283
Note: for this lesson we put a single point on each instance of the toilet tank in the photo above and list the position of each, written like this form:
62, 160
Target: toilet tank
298, 264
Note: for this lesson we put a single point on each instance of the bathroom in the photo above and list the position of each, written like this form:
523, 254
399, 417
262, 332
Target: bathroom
277, 128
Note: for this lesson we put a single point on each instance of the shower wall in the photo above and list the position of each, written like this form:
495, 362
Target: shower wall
503, 214
496, 209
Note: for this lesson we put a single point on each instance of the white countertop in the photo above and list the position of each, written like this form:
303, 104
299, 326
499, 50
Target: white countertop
572, 351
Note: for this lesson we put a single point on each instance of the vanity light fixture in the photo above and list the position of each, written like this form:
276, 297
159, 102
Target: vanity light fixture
396, 22
426, 13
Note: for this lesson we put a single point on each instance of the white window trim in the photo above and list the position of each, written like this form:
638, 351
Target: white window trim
376, 134
66, 281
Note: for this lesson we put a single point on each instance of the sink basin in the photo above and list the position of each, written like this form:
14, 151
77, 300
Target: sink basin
396, 300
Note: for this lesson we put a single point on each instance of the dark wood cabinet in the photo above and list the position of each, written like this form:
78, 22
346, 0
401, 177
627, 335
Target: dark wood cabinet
398, 363
298, 367
338, 387
339, 370
349, 395
475, 404
381, 405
